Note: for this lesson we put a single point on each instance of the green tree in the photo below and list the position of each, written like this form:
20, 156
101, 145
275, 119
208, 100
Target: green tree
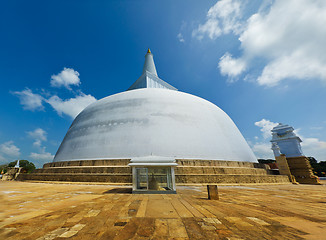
3, 168
26, 165
265, 161
318, 167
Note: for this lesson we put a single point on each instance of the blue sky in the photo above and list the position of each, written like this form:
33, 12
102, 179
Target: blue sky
262, 62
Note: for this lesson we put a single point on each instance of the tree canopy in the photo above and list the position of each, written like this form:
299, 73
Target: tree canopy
318, 167
25, 164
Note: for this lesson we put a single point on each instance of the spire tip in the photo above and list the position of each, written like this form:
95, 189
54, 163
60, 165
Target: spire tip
149, 51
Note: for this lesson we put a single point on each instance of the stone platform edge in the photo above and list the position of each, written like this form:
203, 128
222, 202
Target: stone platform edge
123, 185
56, 172
180, 162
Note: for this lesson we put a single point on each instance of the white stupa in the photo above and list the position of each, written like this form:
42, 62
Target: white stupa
152, 118
285, 141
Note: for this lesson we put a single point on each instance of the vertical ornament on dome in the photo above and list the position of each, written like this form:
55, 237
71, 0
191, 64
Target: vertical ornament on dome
149, 65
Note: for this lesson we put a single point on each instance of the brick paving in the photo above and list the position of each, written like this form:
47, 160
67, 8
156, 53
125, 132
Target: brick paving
75, 211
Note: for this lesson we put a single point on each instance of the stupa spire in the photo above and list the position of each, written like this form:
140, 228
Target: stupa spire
149, 78
149, 65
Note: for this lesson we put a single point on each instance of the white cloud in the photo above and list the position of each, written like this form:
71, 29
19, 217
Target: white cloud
66, 77
230, 66
266, 127
180, 37
310, 146
313, 143
262, 150
30, 100
37, 143
229, 12
222, 18
211, 28
9, 149
290, 36
38, 135
299, 65
71, 107
316, 128
43, 155
287, 37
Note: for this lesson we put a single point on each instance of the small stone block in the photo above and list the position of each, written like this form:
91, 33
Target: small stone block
212, 192
212, 220
77, 227
68, 234
120, 224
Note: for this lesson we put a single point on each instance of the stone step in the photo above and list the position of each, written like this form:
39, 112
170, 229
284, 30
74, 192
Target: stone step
181, 162
180, 179
228, 179
219, 163
108, 178
187, 172
86, 169
178, 170
97, 162
219, 170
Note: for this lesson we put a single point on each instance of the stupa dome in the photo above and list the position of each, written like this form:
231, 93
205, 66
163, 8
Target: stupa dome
153, 118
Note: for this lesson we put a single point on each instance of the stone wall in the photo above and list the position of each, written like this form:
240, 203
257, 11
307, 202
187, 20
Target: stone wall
187, 172
301, 170
11, 174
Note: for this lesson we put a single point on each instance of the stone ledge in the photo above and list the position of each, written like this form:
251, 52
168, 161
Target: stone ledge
188, 171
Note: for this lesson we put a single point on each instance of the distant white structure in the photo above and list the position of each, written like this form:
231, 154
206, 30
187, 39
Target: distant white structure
17, 164
276, 149
153, 119
285, 141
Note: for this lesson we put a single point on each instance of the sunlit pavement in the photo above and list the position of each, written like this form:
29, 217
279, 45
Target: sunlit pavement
80, 211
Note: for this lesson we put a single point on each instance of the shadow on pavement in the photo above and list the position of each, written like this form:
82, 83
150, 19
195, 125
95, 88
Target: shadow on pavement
119, 190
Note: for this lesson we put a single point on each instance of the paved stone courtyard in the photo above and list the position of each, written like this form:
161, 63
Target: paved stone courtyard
80, 211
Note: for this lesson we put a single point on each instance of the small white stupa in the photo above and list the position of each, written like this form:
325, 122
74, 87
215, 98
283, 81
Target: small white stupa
285, 141
17, 164
289, 157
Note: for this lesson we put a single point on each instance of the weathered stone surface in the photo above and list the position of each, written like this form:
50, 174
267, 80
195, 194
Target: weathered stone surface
187, 172
75, 211
301, 169
205, 179
212, 192
11, 174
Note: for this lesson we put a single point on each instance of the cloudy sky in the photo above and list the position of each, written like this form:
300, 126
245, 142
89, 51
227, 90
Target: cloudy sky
262, 62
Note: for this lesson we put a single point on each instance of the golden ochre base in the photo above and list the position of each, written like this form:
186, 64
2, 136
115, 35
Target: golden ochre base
188, 172
298, 169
